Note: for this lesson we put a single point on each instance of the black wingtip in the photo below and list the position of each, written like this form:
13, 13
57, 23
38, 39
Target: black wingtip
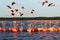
13, 3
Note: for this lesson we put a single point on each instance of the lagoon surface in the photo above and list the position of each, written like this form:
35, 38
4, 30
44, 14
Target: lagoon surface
29, 36
26, 35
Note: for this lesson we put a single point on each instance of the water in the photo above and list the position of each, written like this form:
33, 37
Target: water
28, 36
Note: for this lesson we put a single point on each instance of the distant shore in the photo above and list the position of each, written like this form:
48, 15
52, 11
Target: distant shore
29, 18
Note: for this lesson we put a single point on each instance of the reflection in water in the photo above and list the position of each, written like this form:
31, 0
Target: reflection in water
31, 33
15, 36
12, 36
21, 36
29, 36
3, 36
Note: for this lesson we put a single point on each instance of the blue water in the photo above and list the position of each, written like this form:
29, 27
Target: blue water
7, 24
27, 36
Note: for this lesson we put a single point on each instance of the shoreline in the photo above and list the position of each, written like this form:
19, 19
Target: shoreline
29, 18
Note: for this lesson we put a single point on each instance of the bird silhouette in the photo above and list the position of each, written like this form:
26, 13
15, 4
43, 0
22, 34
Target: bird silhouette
22, 7
20, 13
33, 10
9, 7
43, 3
51, 4
16, 10
46, 1
12, 14
12, 10
13, 3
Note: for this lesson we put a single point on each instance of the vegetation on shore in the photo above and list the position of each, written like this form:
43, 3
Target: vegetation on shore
30, 18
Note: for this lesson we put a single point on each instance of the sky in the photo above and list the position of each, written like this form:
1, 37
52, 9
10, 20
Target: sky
40, 11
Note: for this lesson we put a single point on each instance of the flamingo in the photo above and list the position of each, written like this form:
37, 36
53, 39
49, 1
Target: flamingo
13, 3
51, 4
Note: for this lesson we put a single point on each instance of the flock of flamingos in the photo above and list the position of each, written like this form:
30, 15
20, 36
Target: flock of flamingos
31, 28
14, 11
